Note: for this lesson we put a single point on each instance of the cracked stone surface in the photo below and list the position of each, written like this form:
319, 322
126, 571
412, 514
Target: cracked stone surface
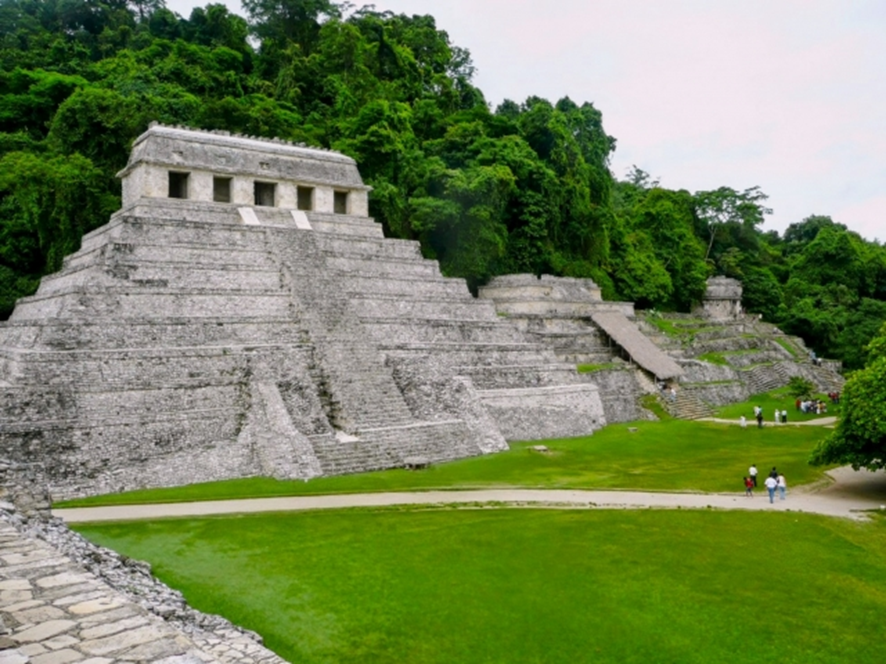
65, 601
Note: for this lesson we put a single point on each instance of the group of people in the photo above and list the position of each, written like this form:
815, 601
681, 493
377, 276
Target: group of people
816, 406
780, 416
775, 481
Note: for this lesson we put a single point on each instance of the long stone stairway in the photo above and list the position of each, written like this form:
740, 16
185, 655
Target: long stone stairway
180, 344
423, 322
686, 405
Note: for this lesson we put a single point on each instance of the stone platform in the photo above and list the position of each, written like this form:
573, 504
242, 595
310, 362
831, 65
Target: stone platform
193, 340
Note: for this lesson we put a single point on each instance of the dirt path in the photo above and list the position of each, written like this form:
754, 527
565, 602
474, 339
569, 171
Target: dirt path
846, 496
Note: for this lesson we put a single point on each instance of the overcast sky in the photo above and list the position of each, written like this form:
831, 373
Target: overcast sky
789, 95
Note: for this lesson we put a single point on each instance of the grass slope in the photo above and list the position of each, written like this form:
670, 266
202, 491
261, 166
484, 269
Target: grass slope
531, 585
779, 399
667, 455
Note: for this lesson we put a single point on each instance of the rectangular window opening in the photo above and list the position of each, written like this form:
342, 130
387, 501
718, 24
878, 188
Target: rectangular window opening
178, 185
340, 202
306, 198
221, 190
264, 193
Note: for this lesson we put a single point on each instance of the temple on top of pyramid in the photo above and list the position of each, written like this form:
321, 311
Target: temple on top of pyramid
173, 162
242, 315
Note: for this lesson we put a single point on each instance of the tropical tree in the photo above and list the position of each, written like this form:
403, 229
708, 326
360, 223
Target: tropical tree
860, 436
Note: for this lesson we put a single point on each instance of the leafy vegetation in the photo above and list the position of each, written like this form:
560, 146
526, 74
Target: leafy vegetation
666, 455
860, 437
591, 368
714, 358
525, 187
787, 345
800, 388
530, 585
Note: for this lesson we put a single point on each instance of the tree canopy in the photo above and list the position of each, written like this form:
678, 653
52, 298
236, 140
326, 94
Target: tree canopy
524, 187
860, 436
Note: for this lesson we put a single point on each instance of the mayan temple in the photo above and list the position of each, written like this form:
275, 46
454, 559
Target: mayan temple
242, 315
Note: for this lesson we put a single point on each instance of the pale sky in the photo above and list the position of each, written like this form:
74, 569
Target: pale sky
789, 95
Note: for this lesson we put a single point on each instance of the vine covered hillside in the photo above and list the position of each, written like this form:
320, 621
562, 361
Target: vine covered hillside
524, 187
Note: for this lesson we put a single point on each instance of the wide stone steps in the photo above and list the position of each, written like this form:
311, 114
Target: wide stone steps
162, 275
160, 367
383, 266
358, 246
388, 447
748, 359
369, 285
127, 229
116, 333
686, 406
473, 354
132, 405
441, 330
137, 421
518, 376
342, 225
763, 378
828, 380
602, 357
172, 253
378, 306
128, 301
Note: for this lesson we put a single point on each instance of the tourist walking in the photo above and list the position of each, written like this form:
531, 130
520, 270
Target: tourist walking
748, 487
759, 414
771, 484
782, 486
752, 471
773, 473
743, 422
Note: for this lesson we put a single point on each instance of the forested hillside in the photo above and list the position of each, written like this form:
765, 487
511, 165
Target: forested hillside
525, 187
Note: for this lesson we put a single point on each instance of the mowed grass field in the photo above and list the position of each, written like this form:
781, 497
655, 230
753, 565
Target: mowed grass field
670, 455
526, 585
779, 399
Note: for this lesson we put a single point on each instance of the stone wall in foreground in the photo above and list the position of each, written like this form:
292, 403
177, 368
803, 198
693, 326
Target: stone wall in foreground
64, 600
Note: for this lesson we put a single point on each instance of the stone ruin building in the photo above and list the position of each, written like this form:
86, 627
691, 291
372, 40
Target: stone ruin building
570, 317
722, 300
242, 315
629, 357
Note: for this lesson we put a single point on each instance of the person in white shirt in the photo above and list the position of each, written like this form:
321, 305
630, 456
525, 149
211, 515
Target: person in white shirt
771, 483
782, 486
752, 471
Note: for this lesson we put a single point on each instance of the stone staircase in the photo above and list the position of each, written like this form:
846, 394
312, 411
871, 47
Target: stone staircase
686, 406
180, 345
426, 320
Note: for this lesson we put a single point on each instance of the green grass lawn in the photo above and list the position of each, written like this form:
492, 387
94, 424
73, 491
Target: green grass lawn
769, 401
666, 456
518, 586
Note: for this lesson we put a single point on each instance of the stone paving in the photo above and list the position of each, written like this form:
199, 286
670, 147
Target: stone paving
53, 611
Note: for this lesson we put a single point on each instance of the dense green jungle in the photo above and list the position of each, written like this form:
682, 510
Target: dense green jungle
524, 187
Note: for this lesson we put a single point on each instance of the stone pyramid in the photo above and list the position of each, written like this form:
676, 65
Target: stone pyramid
241, 315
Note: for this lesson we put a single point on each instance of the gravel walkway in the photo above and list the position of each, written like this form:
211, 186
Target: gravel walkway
846, 496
